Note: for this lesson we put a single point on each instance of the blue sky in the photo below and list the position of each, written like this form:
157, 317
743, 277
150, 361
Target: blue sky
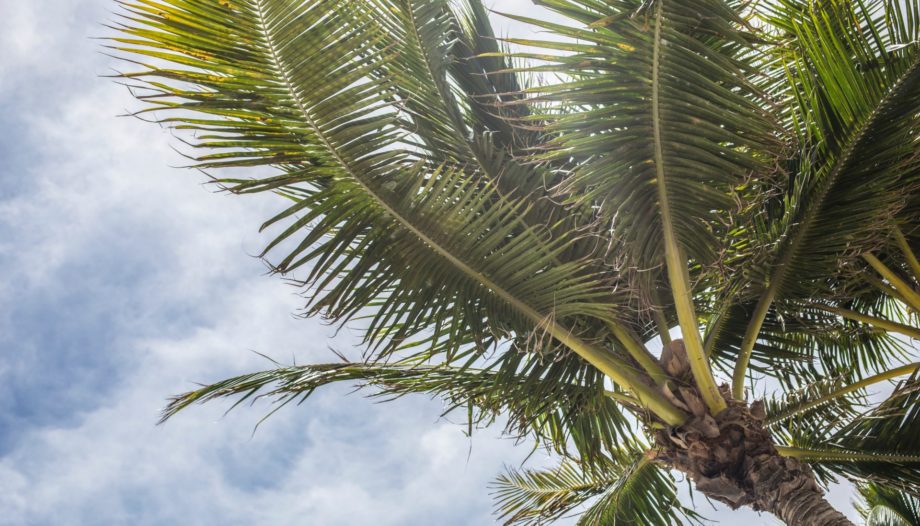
125, 280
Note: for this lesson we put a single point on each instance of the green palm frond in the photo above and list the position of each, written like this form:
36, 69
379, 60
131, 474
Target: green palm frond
350, 99
813, 409
642, 495
495, 90
664, 129
690, 127
881, 506
527, 497
881, 445
829, 400
853, 73
803, 345
587, 422
627, 489
559, 403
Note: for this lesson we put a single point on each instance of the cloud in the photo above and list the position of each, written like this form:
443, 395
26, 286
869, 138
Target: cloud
128, 281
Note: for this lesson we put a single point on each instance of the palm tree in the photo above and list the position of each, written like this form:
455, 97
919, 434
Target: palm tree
515, 221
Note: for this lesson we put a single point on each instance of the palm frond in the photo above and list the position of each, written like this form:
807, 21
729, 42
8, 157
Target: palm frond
711, 130
802, 344
881, 445
559, 404
587, 423
495, 89
828, 400
629, 489
881, 506
813, 409
530, 497
853, 74
664, 129
642, 495
322, 89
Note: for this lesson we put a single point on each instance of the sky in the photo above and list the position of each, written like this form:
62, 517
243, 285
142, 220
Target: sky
126, 280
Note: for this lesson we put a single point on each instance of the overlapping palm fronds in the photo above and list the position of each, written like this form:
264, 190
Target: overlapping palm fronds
853, 70
396, 208
666, 129
510, 244
881, 506
881, 444
804, 345
627, 488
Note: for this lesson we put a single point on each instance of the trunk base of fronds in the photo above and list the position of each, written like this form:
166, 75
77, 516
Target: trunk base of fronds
731, 457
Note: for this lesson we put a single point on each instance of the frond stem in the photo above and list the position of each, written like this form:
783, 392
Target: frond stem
881, 377
750, 338
880, 323
664, 331
887, 289
906, 291
908, 253
617, 369
639, 352
622, 397
842, 455
678, 274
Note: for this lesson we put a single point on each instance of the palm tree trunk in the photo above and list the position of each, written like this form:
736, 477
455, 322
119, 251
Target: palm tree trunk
786, 488
732, 458
809, 509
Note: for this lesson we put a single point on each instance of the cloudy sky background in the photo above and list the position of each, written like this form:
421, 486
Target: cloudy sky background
126, 280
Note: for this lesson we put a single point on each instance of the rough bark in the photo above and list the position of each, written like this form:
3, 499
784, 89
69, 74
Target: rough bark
731, 457
787, 488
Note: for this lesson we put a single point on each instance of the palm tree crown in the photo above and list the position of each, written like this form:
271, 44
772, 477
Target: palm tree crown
515, 219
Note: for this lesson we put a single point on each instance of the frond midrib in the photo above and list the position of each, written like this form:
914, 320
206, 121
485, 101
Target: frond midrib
564, 488
806, 405
844, 455
802, 227
611, 365
676, 264
853, 142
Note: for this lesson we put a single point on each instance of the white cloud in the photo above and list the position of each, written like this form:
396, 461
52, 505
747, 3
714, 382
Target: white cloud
99, 196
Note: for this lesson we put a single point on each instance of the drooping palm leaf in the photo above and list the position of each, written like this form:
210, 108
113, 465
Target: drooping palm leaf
319, 89
880, 445
853, 72
543, 402
881, 506
628, 489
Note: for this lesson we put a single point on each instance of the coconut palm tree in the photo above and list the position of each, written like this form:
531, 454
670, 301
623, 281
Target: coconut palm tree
515, 222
